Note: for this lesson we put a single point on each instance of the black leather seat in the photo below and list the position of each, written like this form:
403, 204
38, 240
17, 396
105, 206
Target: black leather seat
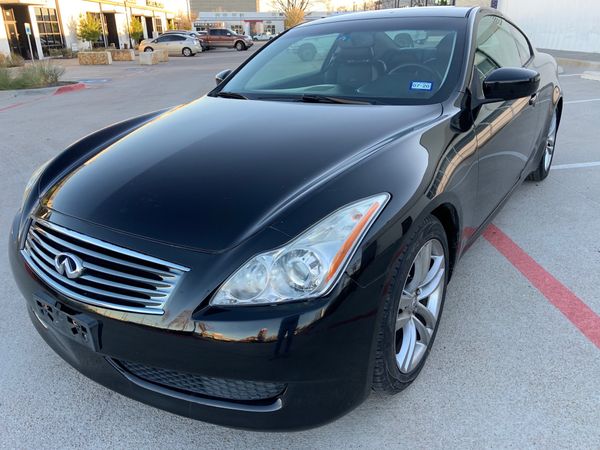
354, 63
443, 53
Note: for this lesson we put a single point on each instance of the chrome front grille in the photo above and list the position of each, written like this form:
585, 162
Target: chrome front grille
111, 277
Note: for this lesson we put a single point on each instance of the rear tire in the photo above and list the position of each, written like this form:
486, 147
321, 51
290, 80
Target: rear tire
412, 307
148, 49
240, 46
543, 168
187, 52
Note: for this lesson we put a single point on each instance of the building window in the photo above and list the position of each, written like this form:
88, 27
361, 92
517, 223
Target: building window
158, 25
238, 29
270, 29
49, 29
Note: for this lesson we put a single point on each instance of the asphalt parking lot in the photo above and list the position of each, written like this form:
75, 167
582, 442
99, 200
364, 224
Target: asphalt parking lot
516, 362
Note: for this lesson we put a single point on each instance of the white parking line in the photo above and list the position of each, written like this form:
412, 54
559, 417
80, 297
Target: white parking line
587, 100
570, 74
576, 165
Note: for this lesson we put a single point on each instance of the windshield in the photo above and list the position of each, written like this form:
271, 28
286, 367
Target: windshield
379, 61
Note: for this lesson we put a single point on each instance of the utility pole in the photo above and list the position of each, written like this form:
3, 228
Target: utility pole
128, 23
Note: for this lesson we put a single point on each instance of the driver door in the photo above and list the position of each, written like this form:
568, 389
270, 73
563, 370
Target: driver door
505, 130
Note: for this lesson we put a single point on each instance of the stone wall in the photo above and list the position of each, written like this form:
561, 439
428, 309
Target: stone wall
122, 55
94, 58
163, 55
148, 58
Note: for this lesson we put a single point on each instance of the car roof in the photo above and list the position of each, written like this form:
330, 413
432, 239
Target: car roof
427, 11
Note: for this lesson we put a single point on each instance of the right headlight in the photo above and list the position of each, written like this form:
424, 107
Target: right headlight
309, 265
33, 179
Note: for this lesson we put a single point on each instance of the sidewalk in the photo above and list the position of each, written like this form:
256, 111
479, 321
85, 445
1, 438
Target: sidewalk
569, 58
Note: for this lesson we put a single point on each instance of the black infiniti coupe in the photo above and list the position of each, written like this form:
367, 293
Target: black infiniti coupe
265, 256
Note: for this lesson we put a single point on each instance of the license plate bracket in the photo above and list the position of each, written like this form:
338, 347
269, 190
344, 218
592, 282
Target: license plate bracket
78, 326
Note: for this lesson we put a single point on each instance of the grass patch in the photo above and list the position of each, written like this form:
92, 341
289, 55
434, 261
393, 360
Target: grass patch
37, 75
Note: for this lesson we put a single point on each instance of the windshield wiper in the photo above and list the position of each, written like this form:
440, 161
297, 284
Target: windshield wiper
312, 98
226, 94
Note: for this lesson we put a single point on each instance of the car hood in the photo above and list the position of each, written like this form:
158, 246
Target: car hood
209, 174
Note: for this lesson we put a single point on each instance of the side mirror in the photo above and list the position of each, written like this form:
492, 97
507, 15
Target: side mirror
228, 34
508, 83
222, 75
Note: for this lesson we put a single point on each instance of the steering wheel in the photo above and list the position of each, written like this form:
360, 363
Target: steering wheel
418, 66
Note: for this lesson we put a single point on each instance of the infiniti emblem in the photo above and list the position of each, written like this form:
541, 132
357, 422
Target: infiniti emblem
69, 265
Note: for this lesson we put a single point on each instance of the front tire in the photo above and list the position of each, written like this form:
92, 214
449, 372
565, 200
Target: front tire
412, 307
148, 49
240, 46
543, 168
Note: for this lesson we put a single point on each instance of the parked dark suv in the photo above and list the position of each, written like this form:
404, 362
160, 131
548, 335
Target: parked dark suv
222, 37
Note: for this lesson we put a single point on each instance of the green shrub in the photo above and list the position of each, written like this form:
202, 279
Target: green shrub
65, 53
136, 31
13, 60
89, 28
40, 74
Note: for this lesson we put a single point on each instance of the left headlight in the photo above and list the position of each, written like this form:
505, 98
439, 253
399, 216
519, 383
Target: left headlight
306, 267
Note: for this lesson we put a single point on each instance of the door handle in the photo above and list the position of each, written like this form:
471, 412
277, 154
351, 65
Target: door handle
533, 99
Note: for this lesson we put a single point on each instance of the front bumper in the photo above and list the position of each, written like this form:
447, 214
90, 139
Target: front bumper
317, 353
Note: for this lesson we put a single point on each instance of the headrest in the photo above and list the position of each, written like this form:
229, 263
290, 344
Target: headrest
355, 54
445, 45
356, 40
404, 40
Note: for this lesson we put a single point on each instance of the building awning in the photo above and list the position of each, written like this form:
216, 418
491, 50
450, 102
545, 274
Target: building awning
28, 2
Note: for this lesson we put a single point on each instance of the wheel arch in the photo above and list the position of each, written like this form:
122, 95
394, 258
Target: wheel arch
559, 108
447, 214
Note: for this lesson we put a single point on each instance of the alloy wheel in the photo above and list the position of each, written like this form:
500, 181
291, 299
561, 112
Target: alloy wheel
420, 305
550, 143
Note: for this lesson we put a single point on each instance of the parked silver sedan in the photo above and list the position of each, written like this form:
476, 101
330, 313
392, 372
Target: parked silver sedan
174, 44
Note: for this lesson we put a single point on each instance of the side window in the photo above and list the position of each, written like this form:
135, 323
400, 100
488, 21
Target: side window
496, 46
522, 43
163, 39
178, 38
213, 32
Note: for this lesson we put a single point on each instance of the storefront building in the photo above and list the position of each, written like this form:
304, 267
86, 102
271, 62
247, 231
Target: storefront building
53, 23
249, 23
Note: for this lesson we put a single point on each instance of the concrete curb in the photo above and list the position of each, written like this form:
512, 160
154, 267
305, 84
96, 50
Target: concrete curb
69, 88
578, 63
46, 91
40, 94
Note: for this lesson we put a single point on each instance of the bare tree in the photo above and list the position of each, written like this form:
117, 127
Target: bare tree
293, 10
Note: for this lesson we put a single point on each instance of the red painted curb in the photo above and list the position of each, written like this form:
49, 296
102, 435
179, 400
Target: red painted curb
14, 105
69, 88
572, 307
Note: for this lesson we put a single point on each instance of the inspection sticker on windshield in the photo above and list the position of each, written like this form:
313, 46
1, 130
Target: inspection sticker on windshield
421, 85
